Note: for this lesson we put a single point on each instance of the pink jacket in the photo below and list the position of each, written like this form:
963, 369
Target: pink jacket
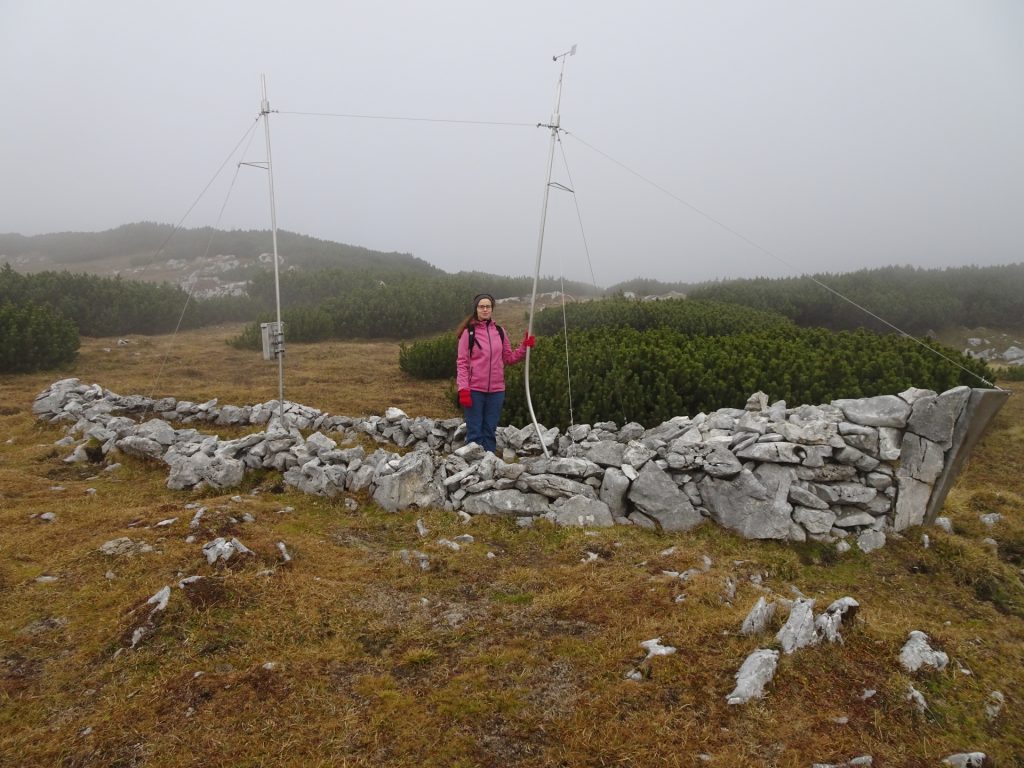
484, 371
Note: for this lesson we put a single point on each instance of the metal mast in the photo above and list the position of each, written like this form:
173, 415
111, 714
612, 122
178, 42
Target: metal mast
554, 126
276, 334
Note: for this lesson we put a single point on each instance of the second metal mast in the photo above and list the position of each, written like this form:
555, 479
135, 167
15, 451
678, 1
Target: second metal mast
554, 126
276, 333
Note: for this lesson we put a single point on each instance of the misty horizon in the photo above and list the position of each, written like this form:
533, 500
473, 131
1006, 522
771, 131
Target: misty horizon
701, 142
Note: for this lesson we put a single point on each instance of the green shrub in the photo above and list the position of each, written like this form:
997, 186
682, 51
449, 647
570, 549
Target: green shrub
251, 337
622, 374
430, 358
1013, 373
34, 337
695, 318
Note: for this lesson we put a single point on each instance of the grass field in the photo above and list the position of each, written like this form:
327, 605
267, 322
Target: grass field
512, 651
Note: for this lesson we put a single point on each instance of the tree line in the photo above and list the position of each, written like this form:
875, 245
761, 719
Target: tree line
344, 304
109, 306
917, 301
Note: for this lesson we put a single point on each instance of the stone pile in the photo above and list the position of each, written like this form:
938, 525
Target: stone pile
851, 469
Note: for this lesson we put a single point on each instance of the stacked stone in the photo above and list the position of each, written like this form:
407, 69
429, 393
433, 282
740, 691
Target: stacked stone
850, 468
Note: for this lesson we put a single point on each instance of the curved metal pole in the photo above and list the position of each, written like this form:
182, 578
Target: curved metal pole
554, 126
279, 340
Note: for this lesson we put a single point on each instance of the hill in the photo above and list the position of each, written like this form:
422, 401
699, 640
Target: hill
216, 258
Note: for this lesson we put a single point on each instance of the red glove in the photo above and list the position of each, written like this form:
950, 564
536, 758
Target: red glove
528, 340
465, 398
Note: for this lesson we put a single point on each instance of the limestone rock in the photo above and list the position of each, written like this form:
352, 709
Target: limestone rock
798, 631
124, 546
749, 506
411, 484
656, 496
966, 760
757, 671
880, 411
917, 653
935, 416
583, 512
759, 618
507, 502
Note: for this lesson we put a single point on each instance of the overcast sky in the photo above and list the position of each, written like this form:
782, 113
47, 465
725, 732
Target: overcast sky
824, 136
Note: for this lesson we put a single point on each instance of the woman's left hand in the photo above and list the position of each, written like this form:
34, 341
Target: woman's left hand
528, 340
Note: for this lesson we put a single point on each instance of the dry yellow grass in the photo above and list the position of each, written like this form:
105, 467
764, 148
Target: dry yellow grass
515, 660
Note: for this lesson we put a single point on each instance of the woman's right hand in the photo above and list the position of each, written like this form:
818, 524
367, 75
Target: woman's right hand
465, 398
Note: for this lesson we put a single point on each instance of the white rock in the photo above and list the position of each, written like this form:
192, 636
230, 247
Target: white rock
917, 653
869, 541
124, 546
829, 622
160, 599
994, 704
965, 760
916, 698
854, 763
757, 671
223, 550
759, 618
655, 648
285, 557
798, 631
944, 523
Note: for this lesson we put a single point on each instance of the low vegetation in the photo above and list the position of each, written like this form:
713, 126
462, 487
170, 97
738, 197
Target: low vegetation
349, 656
33, 337
917, 301
627, 360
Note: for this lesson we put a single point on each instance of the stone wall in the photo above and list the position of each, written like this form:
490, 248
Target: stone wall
851, 469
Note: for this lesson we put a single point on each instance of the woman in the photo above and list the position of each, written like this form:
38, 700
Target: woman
484, 351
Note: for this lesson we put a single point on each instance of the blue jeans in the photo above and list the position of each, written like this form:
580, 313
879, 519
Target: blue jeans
482, 418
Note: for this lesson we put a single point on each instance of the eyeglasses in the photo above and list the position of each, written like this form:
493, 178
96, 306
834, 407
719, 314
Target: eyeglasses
484, 306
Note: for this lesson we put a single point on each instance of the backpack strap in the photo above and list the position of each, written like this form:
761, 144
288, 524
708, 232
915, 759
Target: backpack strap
471, 330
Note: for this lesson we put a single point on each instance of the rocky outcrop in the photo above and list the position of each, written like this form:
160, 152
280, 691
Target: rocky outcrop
850, 469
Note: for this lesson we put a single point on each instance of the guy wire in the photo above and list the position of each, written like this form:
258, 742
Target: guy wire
779, 259
209, 244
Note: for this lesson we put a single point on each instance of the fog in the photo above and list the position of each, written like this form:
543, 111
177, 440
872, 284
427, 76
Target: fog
702, 140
